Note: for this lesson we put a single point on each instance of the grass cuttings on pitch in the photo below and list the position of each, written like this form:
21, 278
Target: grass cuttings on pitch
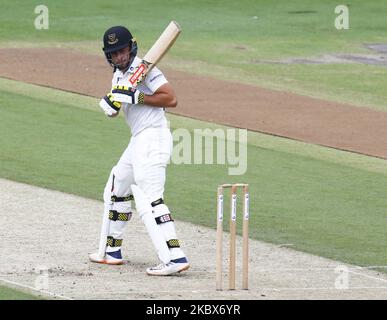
242, 41
329, 203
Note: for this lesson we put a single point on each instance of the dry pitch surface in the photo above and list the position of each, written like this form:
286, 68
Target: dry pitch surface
48, 235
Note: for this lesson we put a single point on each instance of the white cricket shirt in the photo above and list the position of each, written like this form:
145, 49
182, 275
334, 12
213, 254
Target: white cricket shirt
140, 117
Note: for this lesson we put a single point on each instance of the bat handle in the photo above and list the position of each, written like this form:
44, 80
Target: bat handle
139, 74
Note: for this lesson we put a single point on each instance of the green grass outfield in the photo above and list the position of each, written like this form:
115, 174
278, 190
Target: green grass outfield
323, 201
226, 39
7, 293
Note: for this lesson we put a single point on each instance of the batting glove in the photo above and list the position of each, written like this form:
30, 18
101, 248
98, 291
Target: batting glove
128, 95
109, 105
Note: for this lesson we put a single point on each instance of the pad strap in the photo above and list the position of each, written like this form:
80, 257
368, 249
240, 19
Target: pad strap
122, 199
114, 215
157, 202
164, 218
111, 242
173, 243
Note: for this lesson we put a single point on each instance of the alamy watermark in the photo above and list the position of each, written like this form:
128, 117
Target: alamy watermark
42, 279
41, 21
342, 280
342, 20
211, 146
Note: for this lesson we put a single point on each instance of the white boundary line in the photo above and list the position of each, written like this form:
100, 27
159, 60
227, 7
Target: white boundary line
34, 289
98, 272
319, 288
259, 289
372, 267
368, 276
238, 290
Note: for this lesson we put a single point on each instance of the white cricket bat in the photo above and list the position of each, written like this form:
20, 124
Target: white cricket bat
155, 54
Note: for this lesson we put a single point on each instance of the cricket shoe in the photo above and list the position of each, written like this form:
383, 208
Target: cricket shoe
166, 269
113, 258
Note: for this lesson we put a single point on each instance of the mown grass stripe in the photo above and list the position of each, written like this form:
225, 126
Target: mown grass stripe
254, 138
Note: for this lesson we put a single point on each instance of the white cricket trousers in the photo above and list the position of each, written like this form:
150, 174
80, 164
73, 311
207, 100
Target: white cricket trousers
143, 163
